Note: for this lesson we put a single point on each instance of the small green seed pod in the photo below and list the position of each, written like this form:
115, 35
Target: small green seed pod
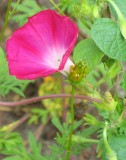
78, 72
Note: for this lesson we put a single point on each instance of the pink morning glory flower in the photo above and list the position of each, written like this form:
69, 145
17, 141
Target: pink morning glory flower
42, 46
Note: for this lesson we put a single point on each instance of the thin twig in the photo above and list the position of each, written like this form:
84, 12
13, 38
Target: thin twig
51, 96
14, 9
83, 35
39, 130
6, 20
57, 7
7, 17
21, 121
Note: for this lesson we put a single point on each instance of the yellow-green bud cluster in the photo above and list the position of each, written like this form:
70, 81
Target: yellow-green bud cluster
109, 102
78, 72
91, 120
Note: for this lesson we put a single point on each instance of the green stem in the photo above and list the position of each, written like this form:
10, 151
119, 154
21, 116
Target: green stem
113, 71
105, 138
116, 8
14, 9
85, 23
110, 154
6, 20
72, 125
8, 15
121, 18
82, 140
56, 6
123, 112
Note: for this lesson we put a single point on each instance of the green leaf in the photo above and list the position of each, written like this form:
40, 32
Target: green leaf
77, 124
27, 9
107, 36
57, 124
7, 82
121, 5
91, 2
13, 158
88, 131
18, 91
118, 144
35, 147
123, 82
112, 72
87, 50
92, 77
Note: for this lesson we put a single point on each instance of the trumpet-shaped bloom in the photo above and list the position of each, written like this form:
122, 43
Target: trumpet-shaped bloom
42, 46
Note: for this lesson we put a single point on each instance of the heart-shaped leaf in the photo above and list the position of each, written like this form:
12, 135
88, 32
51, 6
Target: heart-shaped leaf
87, 50
107, 36
118, 145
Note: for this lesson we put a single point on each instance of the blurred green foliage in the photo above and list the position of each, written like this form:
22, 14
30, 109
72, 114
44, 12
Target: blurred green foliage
25, 9
104, 52
7, 82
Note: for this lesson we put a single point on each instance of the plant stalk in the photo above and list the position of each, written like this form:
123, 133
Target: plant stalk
7, 17
50, 96
56, 6
72, 124
6, 20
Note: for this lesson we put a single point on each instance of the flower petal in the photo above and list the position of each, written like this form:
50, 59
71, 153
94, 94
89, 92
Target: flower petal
42, 46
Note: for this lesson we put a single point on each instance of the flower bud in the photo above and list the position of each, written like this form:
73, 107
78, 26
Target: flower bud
91, 120
84, 9
8, 127
82, 140
78, 72
96, 12
109, 102
87, 9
